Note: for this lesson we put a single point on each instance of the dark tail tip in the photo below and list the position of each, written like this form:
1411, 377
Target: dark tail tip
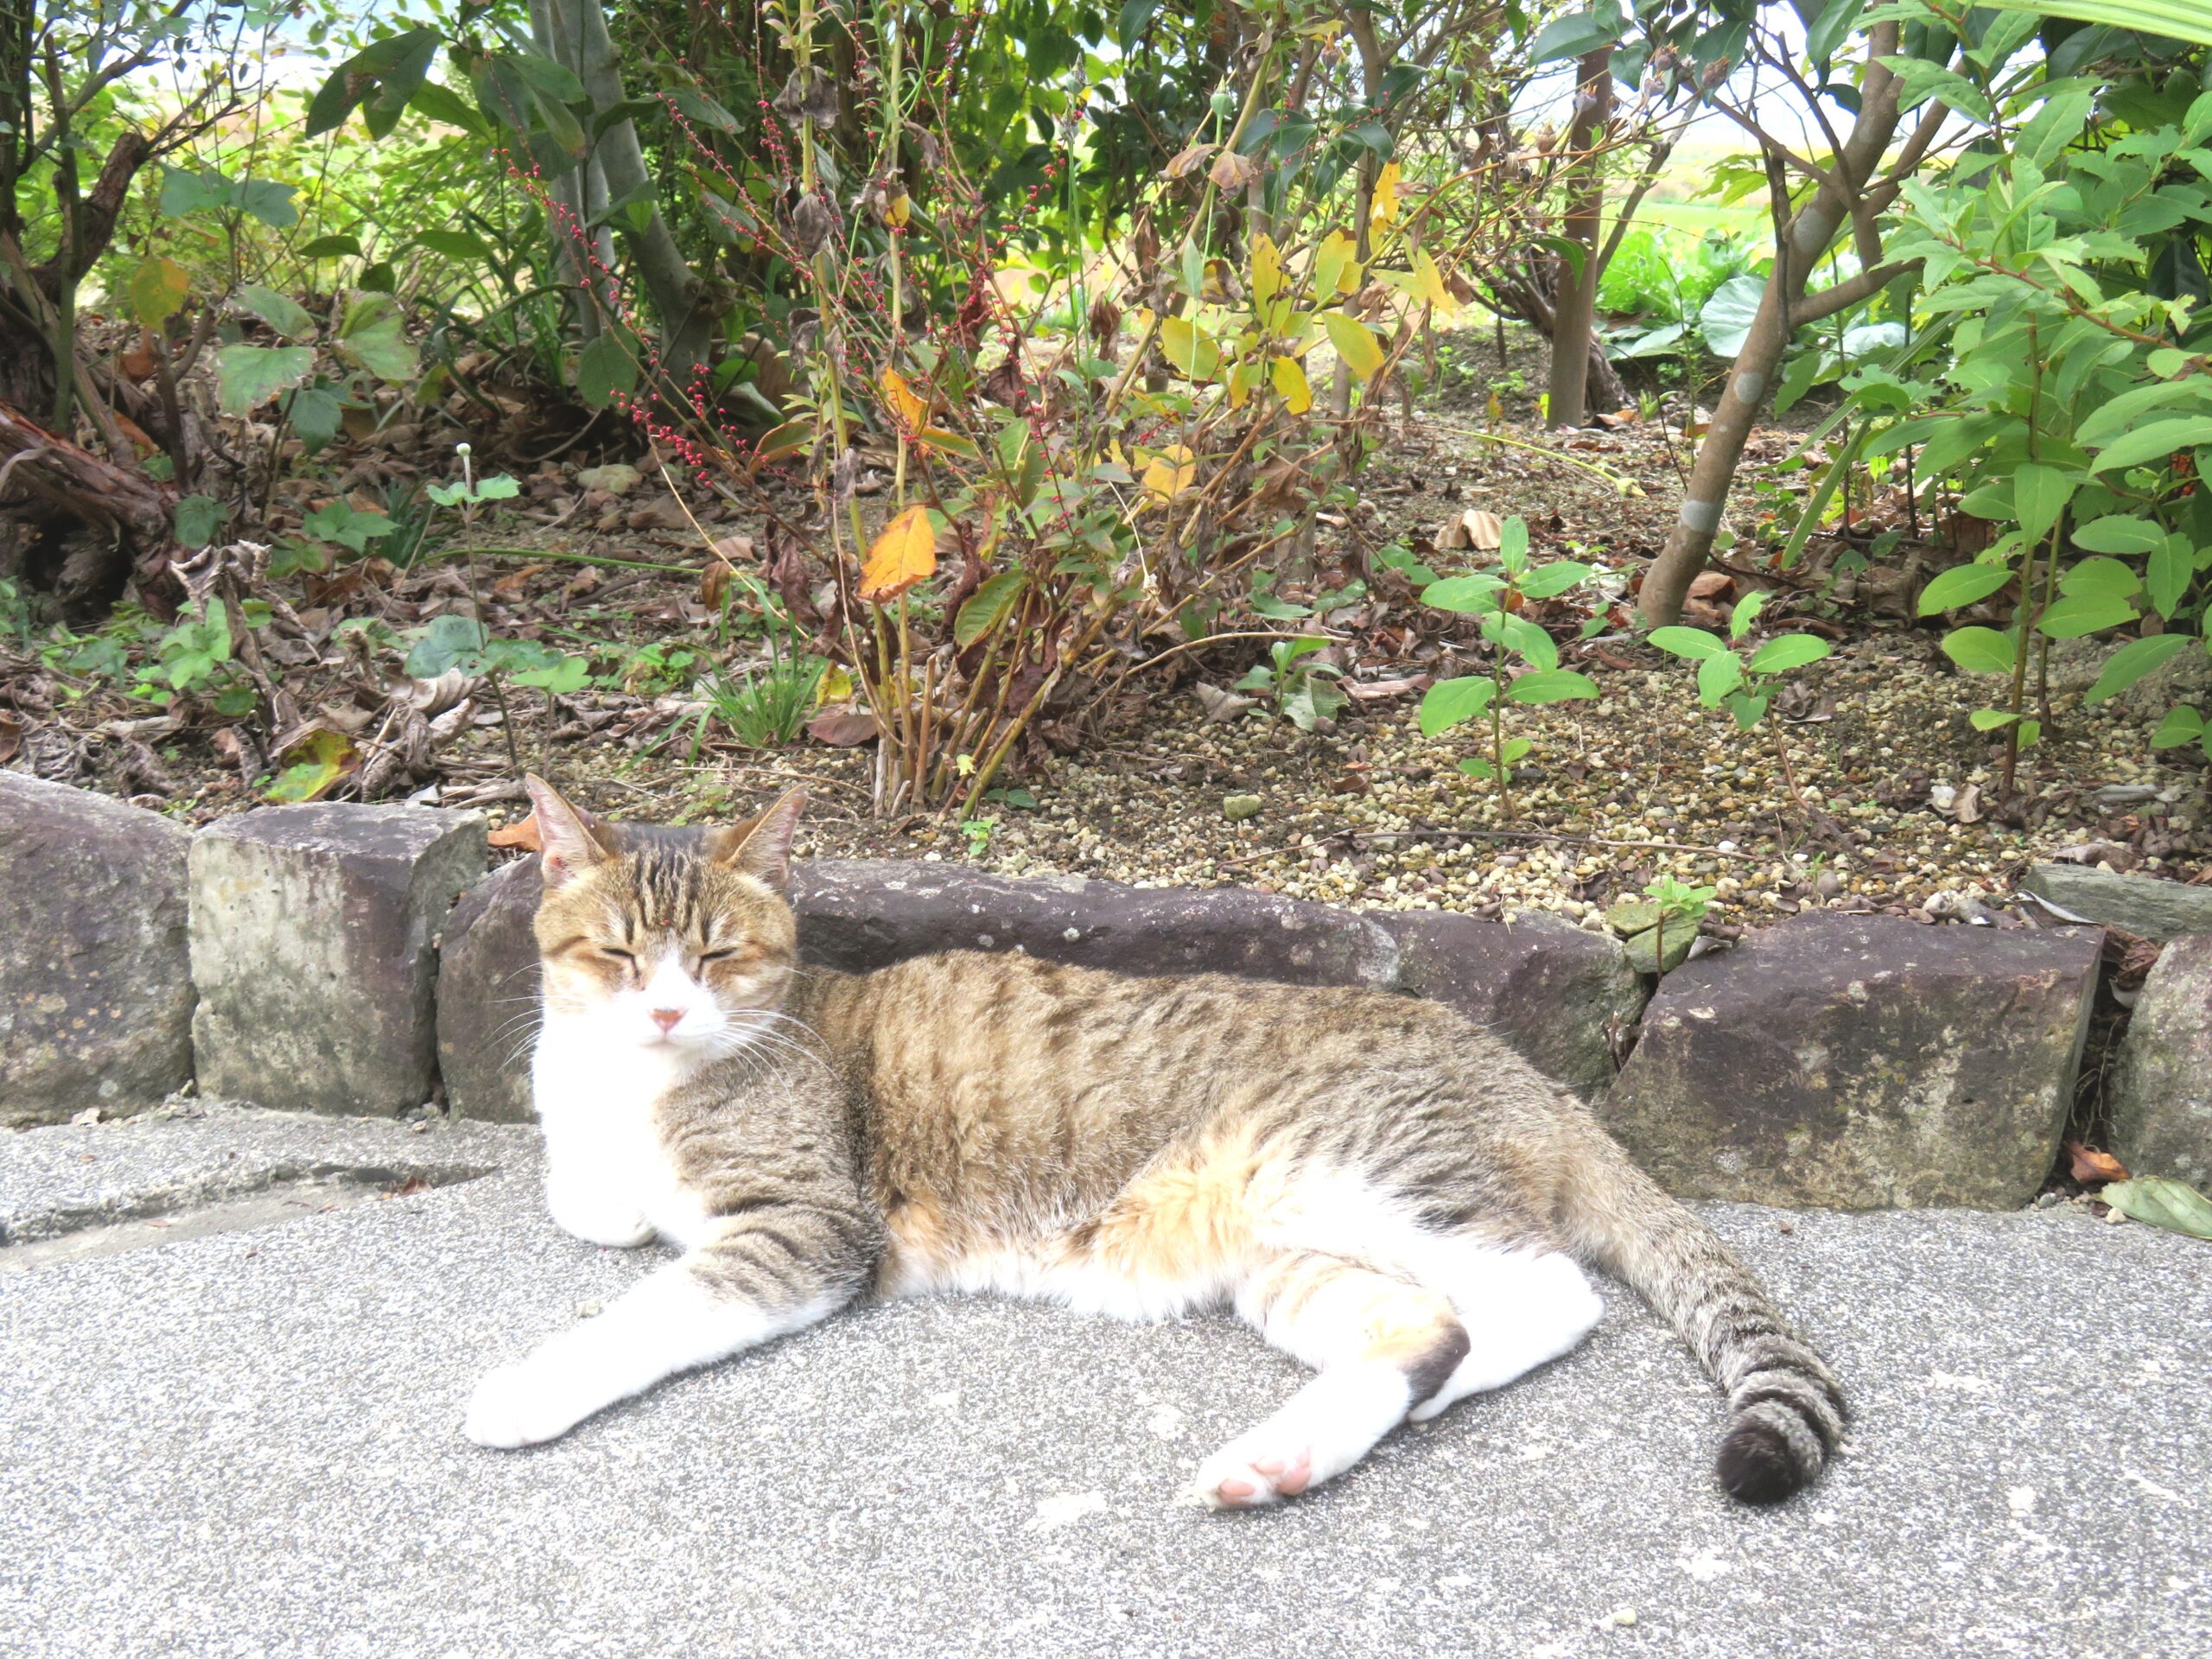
1757, 1464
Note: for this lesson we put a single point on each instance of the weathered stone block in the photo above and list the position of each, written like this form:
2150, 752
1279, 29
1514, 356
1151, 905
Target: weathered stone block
1566, 999
864, 913
488, 995
1861, 1062
2161, 1088
2138, 903
95, 981
312, 931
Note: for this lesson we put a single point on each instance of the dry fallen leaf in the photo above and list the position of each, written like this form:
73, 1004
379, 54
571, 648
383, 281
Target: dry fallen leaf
1483, 531
2089, 1165
905, 554
842, 728
1711, 584
522, 833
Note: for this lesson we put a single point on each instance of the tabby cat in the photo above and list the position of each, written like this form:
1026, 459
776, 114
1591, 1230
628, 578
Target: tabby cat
1381, 1189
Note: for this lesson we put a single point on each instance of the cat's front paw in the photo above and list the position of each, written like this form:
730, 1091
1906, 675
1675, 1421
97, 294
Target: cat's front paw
520, 1405
1243, 1476
603, 1224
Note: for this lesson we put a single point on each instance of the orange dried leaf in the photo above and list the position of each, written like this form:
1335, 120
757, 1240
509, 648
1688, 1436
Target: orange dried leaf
913, 414
905, 554
2089, 1165
522, 833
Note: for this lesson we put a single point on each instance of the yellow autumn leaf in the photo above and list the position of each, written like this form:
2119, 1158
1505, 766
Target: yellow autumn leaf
1386, 195
1430, 281
1243, 381
1355, 342
836, 685
1184, 345
1266, 269
905, 554
1336, 268
1292, 385
1170, 473
898, 210
913, 414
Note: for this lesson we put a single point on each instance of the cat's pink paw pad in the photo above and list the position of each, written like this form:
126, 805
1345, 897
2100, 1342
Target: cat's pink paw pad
1235, 1478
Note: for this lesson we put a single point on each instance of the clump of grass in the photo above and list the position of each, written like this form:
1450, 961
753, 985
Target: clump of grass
767, 707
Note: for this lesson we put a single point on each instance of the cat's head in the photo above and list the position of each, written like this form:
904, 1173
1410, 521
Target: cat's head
681, 946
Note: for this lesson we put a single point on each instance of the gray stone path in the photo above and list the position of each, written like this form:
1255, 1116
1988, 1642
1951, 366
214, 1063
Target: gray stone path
247, 1444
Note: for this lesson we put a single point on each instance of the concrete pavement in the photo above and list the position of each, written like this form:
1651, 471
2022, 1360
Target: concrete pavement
247, 1443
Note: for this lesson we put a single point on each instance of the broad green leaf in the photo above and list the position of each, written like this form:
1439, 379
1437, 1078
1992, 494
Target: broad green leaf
1553, 579
2160, 441
2182, 725
1980, 651
1746, 612
2173, 563
2110, 419
1991, 720
1695, 644
316, 415
280, 311
157, 288
2179, 20
2162, 1203
381, 348
2076, 614
1717, 676
2133, 661
607, 367
1791, 650
1747, 709
1965, 584
1726, 317
448, 641
562, 678
1573, 35
2039, 495
247, 377
1448, 702
988, 606
332, 247
2118, 532
1468, 595
2106, 578
455, 245
1355, 342
1551, 686
198, 518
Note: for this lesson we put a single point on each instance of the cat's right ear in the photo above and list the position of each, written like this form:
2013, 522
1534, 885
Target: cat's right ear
567, 847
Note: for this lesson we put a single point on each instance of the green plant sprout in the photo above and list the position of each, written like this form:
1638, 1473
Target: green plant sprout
1497, 600
1304, 692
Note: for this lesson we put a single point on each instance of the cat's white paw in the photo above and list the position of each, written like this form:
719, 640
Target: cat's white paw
520, 1405
1249, 1472
615, 1230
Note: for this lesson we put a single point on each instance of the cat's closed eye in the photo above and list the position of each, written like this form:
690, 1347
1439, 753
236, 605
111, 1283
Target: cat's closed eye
613, 955
731, 953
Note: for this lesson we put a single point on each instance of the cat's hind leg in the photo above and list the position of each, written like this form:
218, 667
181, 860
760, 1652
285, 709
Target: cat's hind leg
1380, 1344
1522, 1307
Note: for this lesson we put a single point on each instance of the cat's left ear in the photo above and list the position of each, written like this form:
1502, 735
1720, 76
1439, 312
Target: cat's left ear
761, 846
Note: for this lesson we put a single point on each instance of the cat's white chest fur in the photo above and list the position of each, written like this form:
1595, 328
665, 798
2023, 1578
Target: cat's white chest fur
607, 1177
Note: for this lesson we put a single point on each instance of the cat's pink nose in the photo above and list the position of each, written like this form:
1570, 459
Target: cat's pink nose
668, 1018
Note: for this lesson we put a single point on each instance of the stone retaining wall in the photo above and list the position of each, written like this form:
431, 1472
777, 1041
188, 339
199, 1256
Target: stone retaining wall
1836, 1060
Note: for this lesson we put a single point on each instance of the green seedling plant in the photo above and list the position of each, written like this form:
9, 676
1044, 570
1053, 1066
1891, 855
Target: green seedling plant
1658, 930
1497, 601
1747, 683
193, 658
472, 492
1304, 691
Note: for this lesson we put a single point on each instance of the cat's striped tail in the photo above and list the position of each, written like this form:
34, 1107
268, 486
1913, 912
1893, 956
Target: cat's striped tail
1786, 1411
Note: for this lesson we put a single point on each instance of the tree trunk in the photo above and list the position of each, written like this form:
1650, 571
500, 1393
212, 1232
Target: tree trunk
1797, 250
1572, 341
90, 525
578, 28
